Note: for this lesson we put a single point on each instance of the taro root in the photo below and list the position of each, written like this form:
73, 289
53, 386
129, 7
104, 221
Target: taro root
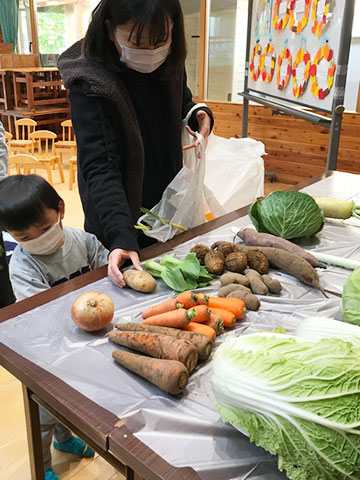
215, 262
200, 251
257, 261
236, 262
224, 247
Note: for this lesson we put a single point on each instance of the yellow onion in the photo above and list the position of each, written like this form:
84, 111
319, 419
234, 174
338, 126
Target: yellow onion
92, 311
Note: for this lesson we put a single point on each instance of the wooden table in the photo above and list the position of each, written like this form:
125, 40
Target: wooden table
6, 91
108, 435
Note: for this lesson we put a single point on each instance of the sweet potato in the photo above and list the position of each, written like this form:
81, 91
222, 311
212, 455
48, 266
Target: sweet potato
158, 346
256, 283
201, 342
139, 280
170, 376
236, 262
224, 291
228, 278
273, 284
253, 238
257, 261
215, 262
251, 301
290, 263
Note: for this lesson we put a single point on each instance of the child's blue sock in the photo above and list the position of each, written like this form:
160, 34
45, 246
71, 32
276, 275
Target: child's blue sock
50, 475
76, 446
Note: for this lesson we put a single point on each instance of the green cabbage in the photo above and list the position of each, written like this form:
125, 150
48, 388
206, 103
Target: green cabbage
287, 215
299, 400
351, 298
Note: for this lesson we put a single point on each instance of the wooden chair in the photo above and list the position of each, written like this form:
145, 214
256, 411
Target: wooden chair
73, 169
23, 129
28, 163
43, 149
68, 142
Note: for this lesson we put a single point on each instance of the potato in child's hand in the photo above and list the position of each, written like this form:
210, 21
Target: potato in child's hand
139, 280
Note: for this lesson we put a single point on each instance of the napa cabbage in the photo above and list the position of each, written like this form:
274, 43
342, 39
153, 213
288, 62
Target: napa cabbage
351, 298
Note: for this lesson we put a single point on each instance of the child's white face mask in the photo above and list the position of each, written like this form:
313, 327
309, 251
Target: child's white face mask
143, 60
48, 243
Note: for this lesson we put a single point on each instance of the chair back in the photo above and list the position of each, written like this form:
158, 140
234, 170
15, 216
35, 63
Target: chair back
24, 128
43, 144
23, 160
67, 131
8, 137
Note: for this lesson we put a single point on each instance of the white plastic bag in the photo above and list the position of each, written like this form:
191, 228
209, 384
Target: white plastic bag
185, 198
235, 171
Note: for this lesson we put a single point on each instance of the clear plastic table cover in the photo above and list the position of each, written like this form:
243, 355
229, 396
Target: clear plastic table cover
185, 430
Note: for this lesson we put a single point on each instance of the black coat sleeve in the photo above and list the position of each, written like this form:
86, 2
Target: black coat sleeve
96, 163
188, 104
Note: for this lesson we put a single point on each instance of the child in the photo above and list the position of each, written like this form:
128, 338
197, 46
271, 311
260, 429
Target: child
47, 254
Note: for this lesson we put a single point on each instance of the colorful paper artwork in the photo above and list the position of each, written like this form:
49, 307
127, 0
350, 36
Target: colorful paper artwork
283, 69
267, 63
299, 7
299, 87
320, 15
323, 54
281, 14
255, 57
263, 18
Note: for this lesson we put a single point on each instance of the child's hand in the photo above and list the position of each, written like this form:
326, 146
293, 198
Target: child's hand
116, 258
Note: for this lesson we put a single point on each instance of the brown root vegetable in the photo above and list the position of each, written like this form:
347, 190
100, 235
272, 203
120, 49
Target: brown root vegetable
224, 291
290, 263
224, 247
273, 284
251, 301
257, 261
253, 238
236, 262
200, 251
139, 280
215, 262
201, 342
256, 284
228, 278
215, 322
169, 375
92, 311
158, 346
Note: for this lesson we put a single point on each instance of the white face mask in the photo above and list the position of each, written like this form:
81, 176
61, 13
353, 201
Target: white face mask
48, 243
143, 60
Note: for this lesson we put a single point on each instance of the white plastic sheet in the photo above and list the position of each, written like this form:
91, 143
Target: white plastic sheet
187, 430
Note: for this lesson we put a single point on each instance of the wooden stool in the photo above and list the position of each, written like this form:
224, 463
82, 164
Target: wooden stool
73, 169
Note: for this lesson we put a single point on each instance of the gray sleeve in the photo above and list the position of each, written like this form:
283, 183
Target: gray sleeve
26, 280
97, 253
3, 153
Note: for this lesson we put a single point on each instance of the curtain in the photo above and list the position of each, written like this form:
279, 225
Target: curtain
9, 20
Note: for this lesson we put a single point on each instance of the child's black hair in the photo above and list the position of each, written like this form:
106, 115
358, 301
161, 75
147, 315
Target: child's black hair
23, 199
155, 13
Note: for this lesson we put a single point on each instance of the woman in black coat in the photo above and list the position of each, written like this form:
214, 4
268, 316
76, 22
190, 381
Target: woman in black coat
129, 99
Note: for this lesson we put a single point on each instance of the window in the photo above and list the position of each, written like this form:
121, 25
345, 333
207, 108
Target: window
191, 9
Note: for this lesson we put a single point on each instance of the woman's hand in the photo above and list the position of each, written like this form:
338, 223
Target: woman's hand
204, 122
116, 258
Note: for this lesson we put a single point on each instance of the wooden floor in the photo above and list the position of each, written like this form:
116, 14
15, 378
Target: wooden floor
14, 462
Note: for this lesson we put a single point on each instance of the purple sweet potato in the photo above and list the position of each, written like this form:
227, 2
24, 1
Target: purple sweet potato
255, 239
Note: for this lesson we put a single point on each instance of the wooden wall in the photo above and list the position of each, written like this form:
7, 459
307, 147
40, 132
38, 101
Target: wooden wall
296, 149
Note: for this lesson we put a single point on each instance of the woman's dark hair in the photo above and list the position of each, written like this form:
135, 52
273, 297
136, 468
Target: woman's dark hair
155, 13
23, 199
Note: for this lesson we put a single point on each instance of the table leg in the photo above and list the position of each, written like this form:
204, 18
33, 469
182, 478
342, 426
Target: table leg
34, 436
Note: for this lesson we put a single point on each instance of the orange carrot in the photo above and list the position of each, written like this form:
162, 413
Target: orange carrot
201, 328
233, 305
216, 322
188, 299
202, 299
163, 307
228, 317
176, 319
203, 314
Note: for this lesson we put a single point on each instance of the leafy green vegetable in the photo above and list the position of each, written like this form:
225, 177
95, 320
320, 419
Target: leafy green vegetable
316, 328
180, 275
295, 398
287, 215
351, 298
